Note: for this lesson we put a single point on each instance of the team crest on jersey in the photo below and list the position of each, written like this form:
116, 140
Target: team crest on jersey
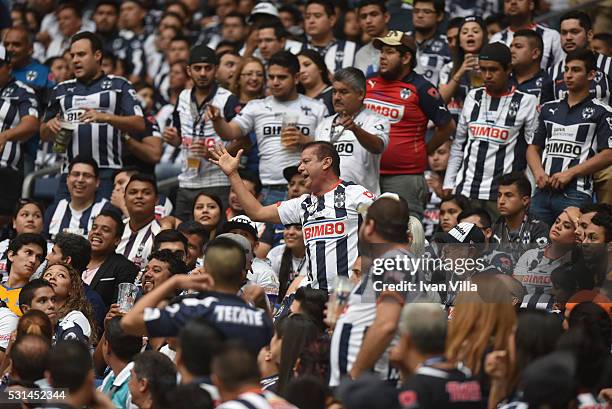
436, 46
31, 75
587, 112
339, 55
339, 199
106, 84
405, 93
598, 76
117, 43
514, 107
539, 82
7, 92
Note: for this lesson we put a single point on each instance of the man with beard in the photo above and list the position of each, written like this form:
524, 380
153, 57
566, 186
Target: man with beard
409, 101
190, 130
162, 265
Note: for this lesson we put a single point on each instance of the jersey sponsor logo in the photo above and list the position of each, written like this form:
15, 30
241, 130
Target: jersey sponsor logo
563, 149
489, 132
344, 148
276, 130
368, 194
407, 399
238, 315
552, 110
393, 112
329, 229
587, 112
371, 83
463, 391
433, 92
536, 279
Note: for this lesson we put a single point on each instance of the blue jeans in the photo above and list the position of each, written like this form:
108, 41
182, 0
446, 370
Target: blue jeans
104, 190
546, 205
271, 195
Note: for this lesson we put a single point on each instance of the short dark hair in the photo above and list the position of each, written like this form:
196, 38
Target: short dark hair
454, 22
235, 366
86, 160
29, 355
185, 395
70, 5
175, 264
391, 218
228, 273
235, 45
378, 3
516, 178
159, 371
326, 149
113, 214
182, 38
123, 346
279, 30
26, 295
596, 207
604, 220
112, 3
199, 341
438, 5
285, 59
69, 364
251, 177
291, 9
94, 40
78, 248
534, 38
24, 239
482, 214
143, 177
237, 15
585, 55
169, 236
461, 201
192, 227
327, 5
605, 37
497, 19
582, 17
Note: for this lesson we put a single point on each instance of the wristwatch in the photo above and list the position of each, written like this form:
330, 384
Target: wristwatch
126, 137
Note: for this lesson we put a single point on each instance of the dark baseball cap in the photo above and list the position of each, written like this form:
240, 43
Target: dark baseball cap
497, 52
367, 392
202, 54
241, 222
463, 233
289, 172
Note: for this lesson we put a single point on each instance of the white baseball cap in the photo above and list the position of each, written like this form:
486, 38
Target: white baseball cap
263, 8
4, 55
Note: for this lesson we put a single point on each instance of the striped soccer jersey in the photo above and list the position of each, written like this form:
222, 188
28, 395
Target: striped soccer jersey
265, 117
491, 140
330, 224
569, 136
337, 54
188, 119
552, 53
553, 85
137, 245
101, 141
16, 101
61, 218
432, 55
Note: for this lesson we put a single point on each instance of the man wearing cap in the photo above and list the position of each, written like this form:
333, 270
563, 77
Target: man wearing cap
409, 101
265, 16
358, 134
190, 130
494, 128
19, 120
329, 214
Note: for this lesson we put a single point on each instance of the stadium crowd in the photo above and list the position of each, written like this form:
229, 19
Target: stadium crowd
305, 204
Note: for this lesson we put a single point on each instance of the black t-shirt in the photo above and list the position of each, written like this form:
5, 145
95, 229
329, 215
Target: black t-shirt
435, 388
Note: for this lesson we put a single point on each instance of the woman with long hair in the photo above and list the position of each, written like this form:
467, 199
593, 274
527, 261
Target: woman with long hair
74, 314
249, 83
462, 74
208, 210
314, 77
289, 259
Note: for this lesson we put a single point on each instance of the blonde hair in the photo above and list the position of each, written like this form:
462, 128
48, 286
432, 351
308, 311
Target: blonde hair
235, 86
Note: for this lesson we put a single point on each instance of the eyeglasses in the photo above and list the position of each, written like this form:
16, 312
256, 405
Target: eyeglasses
252, 73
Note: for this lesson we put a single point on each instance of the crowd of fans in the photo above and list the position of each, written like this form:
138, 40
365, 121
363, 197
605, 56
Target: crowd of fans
307, 204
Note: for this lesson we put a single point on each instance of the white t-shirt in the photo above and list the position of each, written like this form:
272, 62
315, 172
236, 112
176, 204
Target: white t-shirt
265, 117
357, 164
298, 265
8, 324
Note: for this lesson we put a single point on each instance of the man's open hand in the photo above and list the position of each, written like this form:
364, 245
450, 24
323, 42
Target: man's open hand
220, 157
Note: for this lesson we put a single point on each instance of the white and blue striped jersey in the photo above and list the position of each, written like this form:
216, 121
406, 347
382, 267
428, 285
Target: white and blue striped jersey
552, 53
432, 55
330, 224
569, 136
61, 218
17, 100
337, 54
188, 119
133, 51
491, 139
553, 84
265, 117
137, 245
101, 141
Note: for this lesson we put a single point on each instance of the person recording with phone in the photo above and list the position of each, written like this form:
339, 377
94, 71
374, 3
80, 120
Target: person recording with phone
359, 135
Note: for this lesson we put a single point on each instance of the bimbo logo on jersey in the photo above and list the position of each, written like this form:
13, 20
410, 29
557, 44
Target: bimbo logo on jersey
392, 111
489, 132
328, 229
563, 149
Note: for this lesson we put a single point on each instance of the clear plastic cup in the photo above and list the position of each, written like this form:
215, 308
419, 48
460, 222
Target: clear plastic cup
126, 296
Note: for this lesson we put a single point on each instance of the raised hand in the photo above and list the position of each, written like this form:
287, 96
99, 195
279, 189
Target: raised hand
212, 113
221, 157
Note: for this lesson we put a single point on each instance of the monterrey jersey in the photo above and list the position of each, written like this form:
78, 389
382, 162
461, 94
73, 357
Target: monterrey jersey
535, 267
188, 119
554, 86
62, 218
432, 55
330, 224
367, 59
357, 164
455, 104
134, 51
531, 86
136, 246
17, 100
228, 313
491, 139
74, 326
552, 53
408, 104
265, 116
466, 8
569, 136
255, 399
101, 141
337, 54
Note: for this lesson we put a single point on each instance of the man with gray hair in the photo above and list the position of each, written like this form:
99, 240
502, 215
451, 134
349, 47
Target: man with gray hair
432, 382
359, 135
